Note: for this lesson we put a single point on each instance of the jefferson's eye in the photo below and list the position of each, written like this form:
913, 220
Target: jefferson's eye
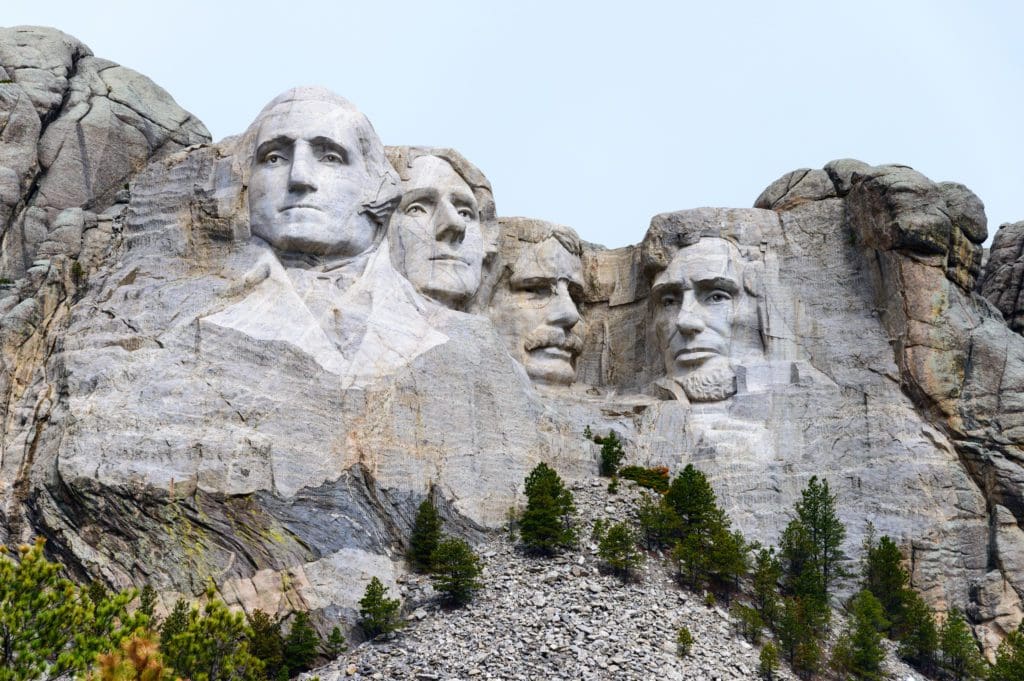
718, 297
415, 209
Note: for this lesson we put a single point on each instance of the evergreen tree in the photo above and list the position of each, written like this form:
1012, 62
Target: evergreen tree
1009, 665
766, 576
214, 645
617, 548
684, 641
916, 632
611, 453
456, 571
769, 661
799, 633
960, 655
301, 645
138, 659
426, 533
729, 558
335, 644
859, 653
175, 623
49, 626
147, 602
812, 544
691, 497
378, 614
266, 642
659, 524
886, 578
546, 523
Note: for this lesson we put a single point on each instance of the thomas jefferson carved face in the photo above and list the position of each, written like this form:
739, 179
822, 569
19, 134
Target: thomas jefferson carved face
538, 312
310, 180
435, 234
700, 305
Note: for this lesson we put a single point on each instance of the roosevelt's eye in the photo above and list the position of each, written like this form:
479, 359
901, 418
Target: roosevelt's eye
718, 297
415, 209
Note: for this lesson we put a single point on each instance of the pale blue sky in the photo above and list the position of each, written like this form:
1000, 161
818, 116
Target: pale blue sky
599, 115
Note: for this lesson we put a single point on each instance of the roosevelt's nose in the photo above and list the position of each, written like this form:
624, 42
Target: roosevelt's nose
448, 224
562, 309
689, 320
302, 173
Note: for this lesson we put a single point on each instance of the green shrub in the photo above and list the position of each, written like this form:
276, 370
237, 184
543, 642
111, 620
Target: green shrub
684, 641
659, 525
748, 622
959, 651
652, 478
456, 571
266, 642
859, 654
335, 644
613, 485
378, 614
214, 645
1009, 665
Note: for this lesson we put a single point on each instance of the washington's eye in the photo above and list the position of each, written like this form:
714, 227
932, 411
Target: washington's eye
273, 158
718, 297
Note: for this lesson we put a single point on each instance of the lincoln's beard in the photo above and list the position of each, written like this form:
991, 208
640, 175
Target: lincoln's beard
711, 383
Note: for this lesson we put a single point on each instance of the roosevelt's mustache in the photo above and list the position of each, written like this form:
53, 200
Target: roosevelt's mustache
549, 337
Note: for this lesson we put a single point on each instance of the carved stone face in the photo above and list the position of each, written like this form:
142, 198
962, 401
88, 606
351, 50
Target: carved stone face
435, 234
309, 180
538, 312
699, 304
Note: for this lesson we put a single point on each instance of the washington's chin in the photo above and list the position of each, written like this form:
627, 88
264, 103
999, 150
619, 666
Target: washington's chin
551, 366
315, 235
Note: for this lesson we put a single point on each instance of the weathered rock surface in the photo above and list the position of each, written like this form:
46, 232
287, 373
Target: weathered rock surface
185, 402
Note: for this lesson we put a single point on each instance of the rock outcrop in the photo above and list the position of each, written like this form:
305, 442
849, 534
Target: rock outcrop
204, 378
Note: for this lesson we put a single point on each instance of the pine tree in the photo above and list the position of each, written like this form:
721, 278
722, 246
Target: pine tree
138, 659
175, 623
456, 571
886, 578
147, 602
214, 645
917, 634
49, 626
766, 576
301, 645
617, 548
960, 655
546, 523
266, 642
1009, 665
798, 629
729, 559
769, 661
859, 653
691, 497
426, 533
611, 453
335, 644
378, 614
812, 544
658, 522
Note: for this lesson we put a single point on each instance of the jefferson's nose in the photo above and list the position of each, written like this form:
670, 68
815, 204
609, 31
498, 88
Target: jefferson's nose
302, 173
448, 224
689, 320
562, 309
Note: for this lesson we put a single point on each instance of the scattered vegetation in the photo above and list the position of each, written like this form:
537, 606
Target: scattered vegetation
617, 547
684, 641
378, 614
455, 571
546, 524
611, 453
656, 478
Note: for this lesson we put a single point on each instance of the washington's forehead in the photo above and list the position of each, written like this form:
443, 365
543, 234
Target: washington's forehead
709, 258
548, 260
309, 119
431, 171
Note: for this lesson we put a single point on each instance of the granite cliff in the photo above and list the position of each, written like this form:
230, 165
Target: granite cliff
249, 361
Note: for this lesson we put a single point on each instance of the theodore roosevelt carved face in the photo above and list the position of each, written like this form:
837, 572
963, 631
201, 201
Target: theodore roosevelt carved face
536, 306
701, 313
319, 181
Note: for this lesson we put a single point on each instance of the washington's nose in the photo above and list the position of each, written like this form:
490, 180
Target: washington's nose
449, 225
689, 320
562, 310
302, 173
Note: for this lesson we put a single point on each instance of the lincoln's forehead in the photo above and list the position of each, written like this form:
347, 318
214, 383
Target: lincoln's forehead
709, 259
434, 172
548, 260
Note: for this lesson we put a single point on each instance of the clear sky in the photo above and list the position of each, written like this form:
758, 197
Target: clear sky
599, 115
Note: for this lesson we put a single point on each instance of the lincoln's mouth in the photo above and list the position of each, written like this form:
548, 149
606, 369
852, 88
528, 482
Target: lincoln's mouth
695, 355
